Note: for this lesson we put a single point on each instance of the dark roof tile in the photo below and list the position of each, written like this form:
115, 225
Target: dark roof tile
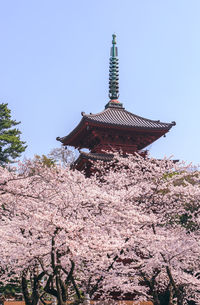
122, 117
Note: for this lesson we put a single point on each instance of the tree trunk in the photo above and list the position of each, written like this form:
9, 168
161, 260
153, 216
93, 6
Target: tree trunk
59, 292
34, 297
153, 292
25, 292
177, 291
156, 300
170, 295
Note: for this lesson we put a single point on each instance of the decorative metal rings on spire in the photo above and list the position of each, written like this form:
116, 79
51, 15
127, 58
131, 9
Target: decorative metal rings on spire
114, 71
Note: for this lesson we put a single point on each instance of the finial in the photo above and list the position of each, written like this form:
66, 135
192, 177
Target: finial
114, 39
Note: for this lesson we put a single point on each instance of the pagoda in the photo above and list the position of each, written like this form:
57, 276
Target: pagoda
114, 129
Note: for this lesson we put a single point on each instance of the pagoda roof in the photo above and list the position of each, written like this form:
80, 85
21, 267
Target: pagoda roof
96, 156
116, 117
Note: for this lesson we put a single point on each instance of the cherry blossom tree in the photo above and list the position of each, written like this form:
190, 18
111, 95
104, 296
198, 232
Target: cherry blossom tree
53, 221
127, 229
165, 253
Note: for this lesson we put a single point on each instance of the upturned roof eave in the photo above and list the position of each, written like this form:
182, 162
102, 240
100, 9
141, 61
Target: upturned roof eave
76, 130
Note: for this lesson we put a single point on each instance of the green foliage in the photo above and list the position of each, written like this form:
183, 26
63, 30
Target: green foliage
46, 161
187, 219
11, 290
11, 146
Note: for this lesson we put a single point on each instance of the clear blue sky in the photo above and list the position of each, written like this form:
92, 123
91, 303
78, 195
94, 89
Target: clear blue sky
54, 64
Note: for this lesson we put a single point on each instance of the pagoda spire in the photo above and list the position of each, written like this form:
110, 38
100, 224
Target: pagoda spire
114, 71
114, 76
